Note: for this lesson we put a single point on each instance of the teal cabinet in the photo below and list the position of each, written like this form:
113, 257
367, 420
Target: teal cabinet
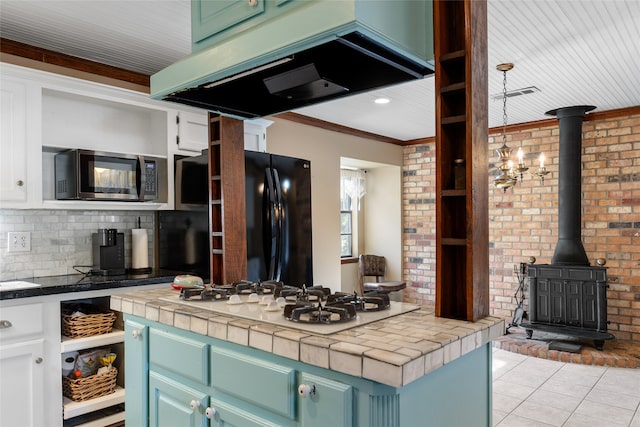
229, 415
213, 21
136, 372
179, 378
209, 18
172, 404
270, 385
184, 357
324, 402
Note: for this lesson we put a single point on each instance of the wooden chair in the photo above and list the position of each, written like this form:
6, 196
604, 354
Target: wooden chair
375, 266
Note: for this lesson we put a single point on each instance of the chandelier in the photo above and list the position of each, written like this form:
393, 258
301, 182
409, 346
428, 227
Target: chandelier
507, 173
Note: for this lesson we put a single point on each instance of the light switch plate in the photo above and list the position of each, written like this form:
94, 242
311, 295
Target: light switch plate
19, 241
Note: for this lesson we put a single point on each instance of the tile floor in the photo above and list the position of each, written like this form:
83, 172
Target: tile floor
532, 392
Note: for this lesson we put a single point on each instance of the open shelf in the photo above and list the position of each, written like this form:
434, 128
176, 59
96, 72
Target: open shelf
73, 409
75, 344
462, 242
226, 173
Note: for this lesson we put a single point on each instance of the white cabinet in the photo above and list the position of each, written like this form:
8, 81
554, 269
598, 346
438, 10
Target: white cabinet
43, 113
22, 385
22, 366
255, 134
19, 155
193, 130
31, 363
13, 141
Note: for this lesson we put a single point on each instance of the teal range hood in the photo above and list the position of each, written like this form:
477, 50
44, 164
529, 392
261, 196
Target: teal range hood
312, 52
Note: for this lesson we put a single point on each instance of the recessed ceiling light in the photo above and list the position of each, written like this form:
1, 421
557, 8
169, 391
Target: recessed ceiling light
382, 100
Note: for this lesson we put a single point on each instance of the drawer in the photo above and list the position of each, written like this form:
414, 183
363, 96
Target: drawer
21, 321
229, 415
185, 357
265, 384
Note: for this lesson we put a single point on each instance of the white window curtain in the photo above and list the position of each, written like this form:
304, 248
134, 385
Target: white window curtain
353, 183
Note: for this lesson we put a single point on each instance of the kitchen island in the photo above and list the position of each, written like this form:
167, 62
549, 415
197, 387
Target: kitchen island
191, 366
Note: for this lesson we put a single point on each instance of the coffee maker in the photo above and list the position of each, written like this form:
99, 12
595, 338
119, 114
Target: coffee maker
108, 252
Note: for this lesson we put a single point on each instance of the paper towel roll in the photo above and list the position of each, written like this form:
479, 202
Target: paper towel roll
139, 248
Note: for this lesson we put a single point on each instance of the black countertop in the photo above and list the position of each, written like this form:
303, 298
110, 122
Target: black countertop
50, 285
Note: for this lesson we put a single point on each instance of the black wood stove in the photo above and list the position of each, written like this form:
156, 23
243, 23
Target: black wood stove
569, 296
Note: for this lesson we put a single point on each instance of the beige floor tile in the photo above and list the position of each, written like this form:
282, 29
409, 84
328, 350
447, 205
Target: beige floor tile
505, 403
518, 391
566, 388
498, 416
608, 415
533, 392
523, 376
614, 398
542, 413
554, 400
617, 379
513, 420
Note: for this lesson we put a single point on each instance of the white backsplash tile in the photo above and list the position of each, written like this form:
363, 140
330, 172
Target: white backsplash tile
61, 239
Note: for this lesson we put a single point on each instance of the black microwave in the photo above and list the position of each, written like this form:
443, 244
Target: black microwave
96, 175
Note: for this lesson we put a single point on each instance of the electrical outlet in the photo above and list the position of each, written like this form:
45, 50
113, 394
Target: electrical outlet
19, 241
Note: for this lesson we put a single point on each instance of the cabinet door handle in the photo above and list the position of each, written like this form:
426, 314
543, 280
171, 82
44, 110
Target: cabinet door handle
39, 360
136, 334
305, 390
20, 183
253, 3
4, 324
210, 412
195, 404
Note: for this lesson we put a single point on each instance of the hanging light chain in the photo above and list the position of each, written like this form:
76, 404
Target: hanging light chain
504, 106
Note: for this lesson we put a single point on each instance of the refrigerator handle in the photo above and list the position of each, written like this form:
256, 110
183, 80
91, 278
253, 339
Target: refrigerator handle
270, 231
279, 224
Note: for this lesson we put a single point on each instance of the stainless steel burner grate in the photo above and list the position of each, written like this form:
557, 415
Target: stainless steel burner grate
317, 313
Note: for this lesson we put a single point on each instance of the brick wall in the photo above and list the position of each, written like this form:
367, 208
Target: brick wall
523, 221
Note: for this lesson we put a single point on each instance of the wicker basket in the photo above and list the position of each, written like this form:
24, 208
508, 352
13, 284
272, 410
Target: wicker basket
87, 325
90, 387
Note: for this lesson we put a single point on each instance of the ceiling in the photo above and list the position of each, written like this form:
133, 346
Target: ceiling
574, 52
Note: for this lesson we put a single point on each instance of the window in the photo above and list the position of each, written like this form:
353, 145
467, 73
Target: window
346, 229
352, 188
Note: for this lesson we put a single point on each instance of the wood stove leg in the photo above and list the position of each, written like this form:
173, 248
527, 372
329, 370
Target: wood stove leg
529, 333
599, 344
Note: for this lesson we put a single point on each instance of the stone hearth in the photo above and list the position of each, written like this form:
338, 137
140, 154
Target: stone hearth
616, 353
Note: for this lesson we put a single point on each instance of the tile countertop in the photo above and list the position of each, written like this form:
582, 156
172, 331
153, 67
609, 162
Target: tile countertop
394, 351
49, 285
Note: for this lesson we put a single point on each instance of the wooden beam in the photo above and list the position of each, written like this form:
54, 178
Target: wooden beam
45, 56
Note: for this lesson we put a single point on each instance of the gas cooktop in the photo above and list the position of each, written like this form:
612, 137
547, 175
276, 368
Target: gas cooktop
251, 308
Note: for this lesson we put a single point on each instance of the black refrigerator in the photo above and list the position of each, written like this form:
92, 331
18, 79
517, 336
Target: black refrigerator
278, 200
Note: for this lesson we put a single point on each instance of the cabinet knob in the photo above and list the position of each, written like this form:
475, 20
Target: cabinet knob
210, 412
20, 183
195, 404
253, 3
39, 360
4, 324
305, 390
136, 334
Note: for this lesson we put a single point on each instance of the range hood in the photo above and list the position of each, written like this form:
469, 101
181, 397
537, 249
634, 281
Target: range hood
331, 51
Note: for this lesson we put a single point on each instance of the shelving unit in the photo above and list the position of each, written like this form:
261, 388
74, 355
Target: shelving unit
226, 194
462, 226
103, 410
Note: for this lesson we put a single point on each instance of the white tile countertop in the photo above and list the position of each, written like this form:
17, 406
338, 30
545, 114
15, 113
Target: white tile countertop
394, 351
